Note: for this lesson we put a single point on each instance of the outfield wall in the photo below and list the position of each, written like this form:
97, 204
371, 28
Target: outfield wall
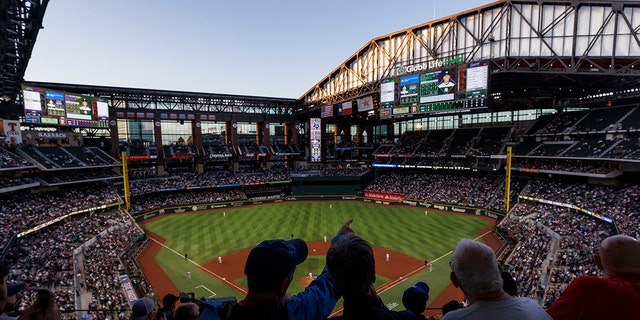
235, 204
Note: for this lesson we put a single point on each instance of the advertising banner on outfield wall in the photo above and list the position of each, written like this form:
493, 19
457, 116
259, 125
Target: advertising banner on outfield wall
387, 196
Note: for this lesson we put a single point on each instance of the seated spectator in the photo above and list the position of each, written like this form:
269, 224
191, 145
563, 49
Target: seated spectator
269, 268
143, 309
169, 304
14, 296
509, 284
415, 298
450, 306
187, 311
475, 270
4, 276
350, 262
614, 297
44, 308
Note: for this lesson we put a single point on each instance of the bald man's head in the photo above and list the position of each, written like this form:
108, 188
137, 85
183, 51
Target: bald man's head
619, 254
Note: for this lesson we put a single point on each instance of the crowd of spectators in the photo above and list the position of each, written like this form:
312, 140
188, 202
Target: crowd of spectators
620, 203
101, 264
577, 237
78, 176
8, 181
626, 148
526, 259
595, 167
142, 183
562, 122
11, 160
161, 200
465, 190
20, 213
44, 258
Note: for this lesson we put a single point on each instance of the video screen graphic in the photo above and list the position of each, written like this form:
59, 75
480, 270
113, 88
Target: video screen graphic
78, 107
437, 86
388, 91
477, 82
55, 104
56, 108
33, 102
409, 87
102, 109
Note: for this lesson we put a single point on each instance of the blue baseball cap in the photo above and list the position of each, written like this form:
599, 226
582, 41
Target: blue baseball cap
415, 297
141, 308
271, 261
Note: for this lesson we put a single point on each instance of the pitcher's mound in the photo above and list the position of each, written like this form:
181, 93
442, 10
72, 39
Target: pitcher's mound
306, 280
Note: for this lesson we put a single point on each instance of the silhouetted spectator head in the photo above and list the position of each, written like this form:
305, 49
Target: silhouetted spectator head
351, 264
509, 283
415, 297
450, 306
270, 265
187, 311
143, 309
619, 254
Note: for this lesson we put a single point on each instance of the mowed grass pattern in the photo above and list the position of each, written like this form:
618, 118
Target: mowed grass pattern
207, 235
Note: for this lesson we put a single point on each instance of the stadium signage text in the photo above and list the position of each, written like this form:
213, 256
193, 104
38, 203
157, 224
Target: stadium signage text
434, 64
491, 215
52, 135
384, 195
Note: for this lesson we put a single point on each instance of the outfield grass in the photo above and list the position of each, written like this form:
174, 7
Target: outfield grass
207, 235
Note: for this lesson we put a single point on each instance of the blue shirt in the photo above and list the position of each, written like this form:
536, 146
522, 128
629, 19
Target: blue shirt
316, 301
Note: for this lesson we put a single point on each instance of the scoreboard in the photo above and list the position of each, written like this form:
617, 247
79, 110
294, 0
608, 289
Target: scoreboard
454, 89
56, 108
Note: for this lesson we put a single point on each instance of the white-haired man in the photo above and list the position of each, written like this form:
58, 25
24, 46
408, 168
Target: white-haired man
474, 269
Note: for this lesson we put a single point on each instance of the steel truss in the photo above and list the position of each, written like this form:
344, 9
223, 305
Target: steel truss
541, 53
20, 21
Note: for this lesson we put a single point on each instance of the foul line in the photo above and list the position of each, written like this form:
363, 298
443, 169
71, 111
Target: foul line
217, 276
388, 285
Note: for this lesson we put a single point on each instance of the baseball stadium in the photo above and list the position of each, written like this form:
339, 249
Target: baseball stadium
515, 124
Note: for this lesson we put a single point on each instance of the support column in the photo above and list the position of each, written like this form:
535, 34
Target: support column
157, 137
113, 133
196, 132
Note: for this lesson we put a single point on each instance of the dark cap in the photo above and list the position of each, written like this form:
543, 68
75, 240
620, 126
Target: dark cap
141, 309
4, 271
450, 306
415, 297
270, 262
169, 299
13, 288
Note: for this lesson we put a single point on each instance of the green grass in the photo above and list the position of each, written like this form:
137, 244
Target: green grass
207, 235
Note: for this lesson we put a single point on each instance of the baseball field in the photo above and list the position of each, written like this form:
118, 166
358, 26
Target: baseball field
217, 242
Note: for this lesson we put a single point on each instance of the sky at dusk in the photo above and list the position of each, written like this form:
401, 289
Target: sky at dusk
256, 48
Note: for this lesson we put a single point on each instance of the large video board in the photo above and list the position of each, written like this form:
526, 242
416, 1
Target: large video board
51, 107
452, 89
